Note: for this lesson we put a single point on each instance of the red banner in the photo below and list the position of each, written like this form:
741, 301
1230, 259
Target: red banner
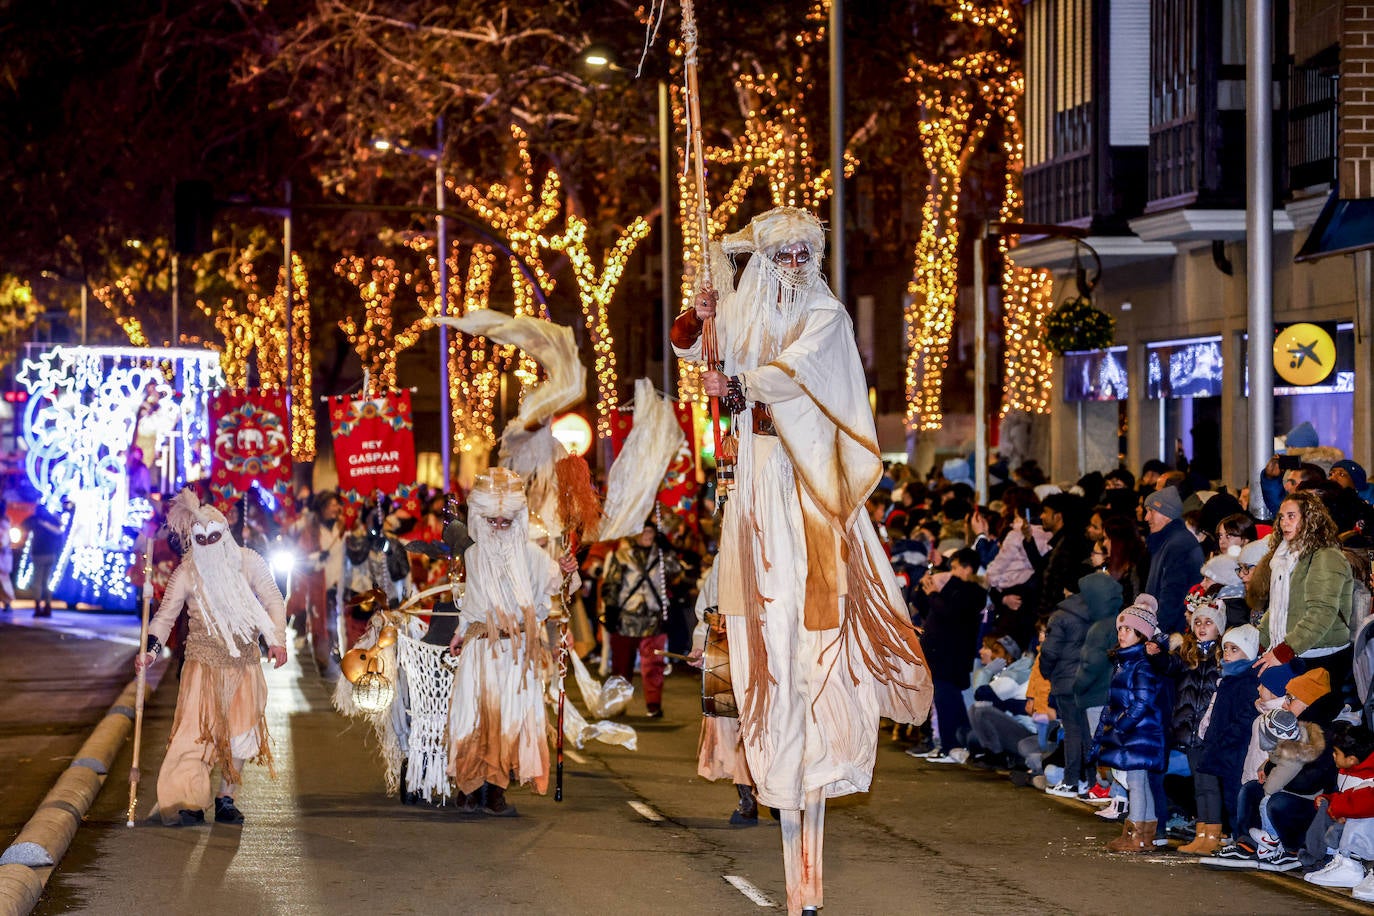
374, 447
251, 444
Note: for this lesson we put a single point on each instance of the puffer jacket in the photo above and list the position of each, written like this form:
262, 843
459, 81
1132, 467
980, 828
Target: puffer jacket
1099, 596
1193, 692
1131, 734
1228, 729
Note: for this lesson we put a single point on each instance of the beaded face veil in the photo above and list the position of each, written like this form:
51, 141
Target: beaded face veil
786, 245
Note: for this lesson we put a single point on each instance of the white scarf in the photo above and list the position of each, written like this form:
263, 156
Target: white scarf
1281, 565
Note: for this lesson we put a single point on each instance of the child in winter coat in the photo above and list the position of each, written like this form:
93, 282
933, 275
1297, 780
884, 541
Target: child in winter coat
1225, 726
1131, 734
1345, 818
1195, 669
1277, 808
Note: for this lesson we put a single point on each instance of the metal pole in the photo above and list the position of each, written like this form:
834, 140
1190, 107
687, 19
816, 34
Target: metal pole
1259, 232
980, 365
83, 313
665, 232
176, 301
441, 240
837, 261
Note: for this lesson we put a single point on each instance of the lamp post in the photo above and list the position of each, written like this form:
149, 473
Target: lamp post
436, 155
599, 57
52, 274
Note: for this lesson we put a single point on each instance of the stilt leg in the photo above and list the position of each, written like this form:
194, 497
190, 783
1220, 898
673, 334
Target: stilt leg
792, 858
813, 837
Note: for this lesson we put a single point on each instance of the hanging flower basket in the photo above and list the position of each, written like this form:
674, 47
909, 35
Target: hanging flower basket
1076, 325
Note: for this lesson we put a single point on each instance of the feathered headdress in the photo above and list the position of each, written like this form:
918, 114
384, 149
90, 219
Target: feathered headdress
187, 511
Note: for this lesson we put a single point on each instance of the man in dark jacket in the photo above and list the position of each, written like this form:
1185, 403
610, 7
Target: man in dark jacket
1099, 597
950, 642
1175, 557
1065, 516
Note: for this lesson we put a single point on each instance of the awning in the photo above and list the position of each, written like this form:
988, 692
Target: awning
1344, 226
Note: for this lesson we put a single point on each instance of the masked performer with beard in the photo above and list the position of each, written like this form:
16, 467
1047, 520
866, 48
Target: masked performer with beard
231, 599
497, 728
818, 631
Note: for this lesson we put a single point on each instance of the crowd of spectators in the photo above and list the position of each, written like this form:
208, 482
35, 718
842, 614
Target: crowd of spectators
1149, 647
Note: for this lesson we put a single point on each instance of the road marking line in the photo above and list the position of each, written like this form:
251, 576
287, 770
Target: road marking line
574, 756
646, 812
747, 888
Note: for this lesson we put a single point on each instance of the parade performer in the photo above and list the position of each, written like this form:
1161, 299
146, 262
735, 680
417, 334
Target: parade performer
231, 599
635, 608
497, 721
817, 627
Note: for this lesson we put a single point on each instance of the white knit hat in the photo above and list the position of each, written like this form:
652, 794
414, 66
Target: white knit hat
1245, 638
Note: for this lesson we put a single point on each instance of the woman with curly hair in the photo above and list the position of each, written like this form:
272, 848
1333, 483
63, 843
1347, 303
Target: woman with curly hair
1310, 590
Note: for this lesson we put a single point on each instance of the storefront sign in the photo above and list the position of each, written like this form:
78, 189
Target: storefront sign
1305, 353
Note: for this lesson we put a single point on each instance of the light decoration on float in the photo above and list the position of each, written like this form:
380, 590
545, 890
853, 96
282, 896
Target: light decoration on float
596, 294
77, 426
957, 101
775, 144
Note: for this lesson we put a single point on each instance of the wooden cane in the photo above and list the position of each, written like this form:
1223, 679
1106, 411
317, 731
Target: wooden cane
562, 674
142, 681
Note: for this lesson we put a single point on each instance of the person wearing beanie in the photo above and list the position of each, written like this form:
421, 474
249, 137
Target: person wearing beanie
1225, 726
1175, 557
1276, 804
1306, 689
1310, 595
1350, 475
1131, 733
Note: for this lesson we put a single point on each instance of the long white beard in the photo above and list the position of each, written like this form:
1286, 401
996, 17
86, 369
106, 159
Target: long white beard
498, 565
232, 611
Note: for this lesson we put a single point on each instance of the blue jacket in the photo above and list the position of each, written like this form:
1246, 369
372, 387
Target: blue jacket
1228, 730
1131, 734
1175, 566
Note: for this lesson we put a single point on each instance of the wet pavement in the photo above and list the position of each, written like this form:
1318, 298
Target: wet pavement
638, 832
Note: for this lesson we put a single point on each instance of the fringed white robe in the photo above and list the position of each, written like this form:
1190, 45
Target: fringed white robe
803, 576
497, 722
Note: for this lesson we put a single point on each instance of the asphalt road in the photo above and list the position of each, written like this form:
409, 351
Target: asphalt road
322, 838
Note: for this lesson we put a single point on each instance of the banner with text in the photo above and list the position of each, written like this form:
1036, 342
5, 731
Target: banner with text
374, 447
251, 445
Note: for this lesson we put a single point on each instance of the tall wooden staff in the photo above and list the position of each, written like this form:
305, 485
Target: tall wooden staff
142, 680
579, 510
710, 346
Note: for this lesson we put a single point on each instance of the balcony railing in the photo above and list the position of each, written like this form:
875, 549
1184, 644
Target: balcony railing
1312, 125
1060, 191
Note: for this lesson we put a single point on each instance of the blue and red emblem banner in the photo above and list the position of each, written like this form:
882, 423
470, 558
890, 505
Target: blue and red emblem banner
251, 444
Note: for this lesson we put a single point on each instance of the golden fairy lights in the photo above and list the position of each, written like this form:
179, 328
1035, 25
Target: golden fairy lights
952, 124
1027, 294
118, 299
595, 293
301, 372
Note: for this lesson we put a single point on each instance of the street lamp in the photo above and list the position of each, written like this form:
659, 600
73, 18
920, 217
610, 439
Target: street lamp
52, 274
436, 155
598, 57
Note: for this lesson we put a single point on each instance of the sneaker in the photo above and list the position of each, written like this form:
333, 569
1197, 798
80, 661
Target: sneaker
923, 754
1279, 861
1365, 889
956, 755
1339, 872
1097, 794
1265, 845
1113, 810
1040, 781
1063, 790
1237, 855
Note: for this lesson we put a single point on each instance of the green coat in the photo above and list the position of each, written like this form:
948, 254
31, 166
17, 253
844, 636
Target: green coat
1320, 599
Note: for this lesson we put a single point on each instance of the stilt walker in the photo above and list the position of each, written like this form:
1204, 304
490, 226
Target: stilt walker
820, 644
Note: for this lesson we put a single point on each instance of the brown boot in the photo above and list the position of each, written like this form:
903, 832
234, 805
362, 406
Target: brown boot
1136, 836
496, 804
1207, 842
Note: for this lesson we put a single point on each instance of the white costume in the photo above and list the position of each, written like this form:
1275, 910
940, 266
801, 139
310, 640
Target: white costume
231, 599
820, 642
497, 722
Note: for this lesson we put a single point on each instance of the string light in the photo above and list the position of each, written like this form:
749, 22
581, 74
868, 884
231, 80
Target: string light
952, 124
302, 365
106, 296
596, 294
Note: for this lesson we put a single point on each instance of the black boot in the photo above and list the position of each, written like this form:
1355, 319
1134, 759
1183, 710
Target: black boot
188, 818
225, 812
747, 814
496, 804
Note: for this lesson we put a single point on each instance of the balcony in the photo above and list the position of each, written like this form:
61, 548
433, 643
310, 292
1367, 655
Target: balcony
1312, 122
